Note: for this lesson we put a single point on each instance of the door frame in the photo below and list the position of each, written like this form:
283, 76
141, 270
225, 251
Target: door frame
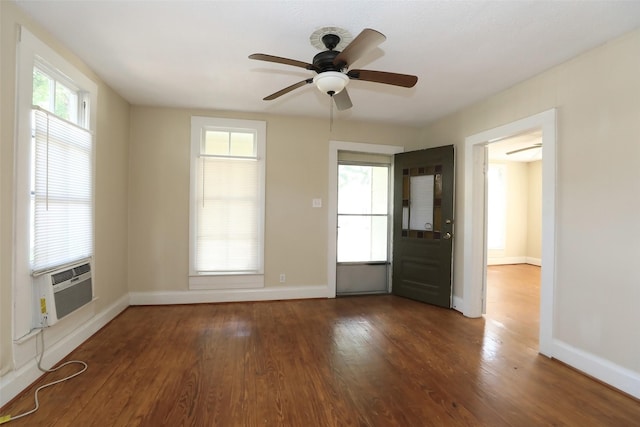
332, 202
474, 245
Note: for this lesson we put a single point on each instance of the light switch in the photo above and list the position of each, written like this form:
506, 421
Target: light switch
316, 203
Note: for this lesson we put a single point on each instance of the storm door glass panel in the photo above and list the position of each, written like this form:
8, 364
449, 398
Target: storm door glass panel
362, 213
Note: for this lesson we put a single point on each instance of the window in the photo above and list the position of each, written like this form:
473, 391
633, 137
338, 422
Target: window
362, 213
54, 169
227, 203
496, 207
61, 174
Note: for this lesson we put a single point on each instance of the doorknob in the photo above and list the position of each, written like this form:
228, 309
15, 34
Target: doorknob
447, 236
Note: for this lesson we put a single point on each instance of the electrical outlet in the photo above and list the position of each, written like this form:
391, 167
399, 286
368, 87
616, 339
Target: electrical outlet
316, 203
283, 278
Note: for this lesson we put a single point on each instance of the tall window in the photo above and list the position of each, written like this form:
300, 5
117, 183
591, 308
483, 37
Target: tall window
54, 181
227, 202
61, 173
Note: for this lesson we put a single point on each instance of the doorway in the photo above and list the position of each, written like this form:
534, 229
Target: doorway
514, 199
363, 224
474, 245
332, 202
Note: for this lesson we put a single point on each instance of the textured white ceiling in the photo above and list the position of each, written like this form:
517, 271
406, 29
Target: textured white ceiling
194, 53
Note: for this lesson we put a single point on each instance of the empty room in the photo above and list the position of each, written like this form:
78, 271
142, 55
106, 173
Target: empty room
244, 213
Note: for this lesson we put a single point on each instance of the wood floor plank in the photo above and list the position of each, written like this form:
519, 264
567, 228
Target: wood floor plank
357, 361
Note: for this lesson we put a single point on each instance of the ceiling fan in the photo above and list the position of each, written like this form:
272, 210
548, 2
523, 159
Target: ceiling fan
331, 66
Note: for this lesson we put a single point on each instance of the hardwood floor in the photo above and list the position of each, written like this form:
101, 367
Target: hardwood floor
356, 361
513, 300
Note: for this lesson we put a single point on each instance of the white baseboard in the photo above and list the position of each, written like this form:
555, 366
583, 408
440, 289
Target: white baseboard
507, 260
458, 304
15, 381
604, 370
514, 260
534, 261
228, 295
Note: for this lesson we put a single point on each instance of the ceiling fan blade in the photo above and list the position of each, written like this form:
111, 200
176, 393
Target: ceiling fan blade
524, 149
280, 60
342, 100
287, 89
366, 41
395, 79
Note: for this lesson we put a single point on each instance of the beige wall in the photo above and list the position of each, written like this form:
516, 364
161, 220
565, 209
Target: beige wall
516, 242
524, 214
516, 213
534, 210
297, 172
111, 179
598, 171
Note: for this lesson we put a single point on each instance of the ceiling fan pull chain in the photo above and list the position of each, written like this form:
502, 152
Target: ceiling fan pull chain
330, 113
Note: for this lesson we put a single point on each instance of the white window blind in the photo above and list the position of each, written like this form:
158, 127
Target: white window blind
421, 208
62, 192
228, 204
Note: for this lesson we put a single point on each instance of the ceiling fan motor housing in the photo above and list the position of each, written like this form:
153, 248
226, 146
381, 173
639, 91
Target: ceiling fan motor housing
324, 61
330, 41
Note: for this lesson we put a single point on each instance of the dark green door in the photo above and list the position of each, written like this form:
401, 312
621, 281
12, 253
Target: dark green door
423, 225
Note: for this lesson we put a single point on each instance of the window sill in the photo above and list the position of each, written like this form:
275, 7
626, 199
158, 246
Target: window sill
231, 281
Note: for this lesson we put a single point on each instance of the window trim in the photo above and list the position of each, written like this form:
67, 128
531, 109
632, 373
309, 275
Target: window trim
221, 280
30, 52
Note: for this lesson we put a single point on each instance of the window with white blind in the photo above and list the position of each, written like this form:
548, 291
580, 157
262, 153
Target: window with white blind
227, 203
54, 178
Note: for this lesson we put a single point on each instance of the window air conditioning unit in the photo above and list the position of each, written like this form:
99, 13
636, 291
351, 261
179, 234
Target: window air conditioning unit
61, 292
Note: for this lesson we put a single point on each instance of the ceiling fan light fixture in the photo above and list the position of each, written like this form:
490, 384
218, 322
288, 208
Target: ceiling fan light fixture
331, 82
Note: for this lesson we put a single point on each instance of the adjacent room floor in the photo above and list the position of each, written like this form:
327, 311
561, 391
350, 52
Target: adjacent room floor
353, 361
513, 300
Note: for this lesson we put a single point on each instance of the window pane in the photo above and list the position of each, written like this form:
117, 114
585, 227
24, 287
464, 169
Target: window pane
216, 143
379, 189
242, 144
42, 90
362, 189
362, 238
66, 103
